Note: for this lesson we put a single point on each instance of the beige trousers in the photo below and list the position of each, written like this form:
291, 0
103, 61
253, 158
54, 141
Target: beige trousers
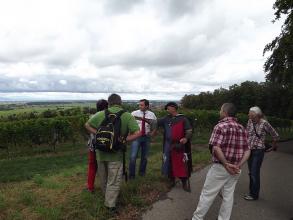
217, 179
110, 174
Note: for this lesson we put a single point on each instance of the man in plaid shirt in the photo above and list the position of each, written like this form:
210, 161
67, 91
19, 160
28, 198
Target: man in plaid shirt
230, 151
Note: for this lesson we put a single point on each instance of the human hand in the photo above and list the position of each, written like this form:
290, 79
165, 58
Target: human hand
183, 140
232, 169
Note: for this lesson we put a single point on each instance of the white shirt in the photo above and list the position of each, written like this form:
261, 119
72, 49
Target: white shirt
148, 115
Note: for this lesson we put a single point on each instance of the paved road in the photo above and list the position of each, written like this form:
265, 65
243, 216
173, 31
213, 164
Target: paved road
276, 196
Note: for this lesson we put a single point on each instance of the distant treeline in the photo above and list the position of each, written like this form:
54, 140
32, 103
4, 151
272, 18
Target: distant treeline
53, 127
273, 99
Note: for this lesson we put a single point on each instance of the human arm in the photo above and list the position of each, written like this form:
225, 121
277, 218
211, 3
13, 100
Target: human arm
188, 135
156, 125
275, 136
147, 120
244, 159
90, 128
94, 122
188, 131
133, 129
133, 136
231, 168
153, 131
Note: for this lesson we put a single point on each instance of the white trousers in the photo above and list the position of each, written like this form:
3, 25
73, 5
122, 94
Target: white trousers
217, 179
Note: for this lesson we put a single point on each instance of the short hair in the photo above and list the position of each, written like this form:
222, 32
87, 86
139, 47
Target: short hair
171, 104
101, 105
230, 109
114, 99
146, 102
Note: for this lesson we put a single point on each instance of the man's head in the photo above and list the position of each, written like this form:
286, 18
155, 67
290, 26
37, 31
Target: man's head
144, 104
228, 110
101, 105
114, 99
171, 108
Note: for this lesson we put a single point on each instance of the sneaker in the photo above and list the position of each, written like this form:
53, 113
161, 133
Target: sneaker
249, 198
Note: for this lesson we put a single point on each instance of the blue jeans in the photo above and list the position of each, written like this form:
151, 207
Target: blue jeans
144, 144
254, 164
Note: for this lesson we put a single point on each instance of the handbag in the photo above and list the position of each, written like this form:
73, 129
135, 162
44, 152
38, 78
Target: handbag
268, 146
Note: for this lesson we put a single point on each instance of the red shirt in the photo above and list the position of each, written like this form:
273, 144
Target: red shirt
231, 137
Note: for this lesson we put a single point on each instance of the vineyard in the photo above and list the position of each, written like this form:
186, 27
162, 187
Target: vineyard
52, 127
43, 164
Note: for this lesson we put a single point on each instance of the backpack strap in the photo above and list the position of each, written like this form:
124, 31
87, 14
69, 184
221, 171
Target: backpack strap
255, 131
120, 112
107, 112
118, 115
124, 150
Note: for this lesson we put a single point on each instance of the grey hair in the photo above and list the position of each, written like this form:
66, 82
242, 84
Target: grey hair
256, 110
230, 109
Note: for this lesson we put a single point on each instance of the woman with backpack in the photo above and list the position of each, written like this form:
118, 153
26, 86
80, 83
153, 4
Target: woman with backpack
257, 128
101, 105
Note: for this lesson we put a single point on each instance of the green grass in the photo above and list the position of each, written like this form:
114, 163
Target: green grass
201, 137
50, 186
2, 202
42, 108
48, 213
20, 169
27, 198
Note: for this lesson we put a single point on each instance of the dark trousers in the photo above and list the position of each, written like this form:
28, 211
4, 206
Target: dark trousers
254, 165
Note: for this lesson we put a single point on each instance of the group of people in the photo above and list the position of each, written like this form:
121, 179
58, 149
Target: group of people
231, 146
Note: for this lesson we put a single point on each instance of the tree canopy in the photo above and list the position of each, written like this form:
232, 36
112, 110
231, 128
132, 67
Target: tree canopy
279, 65
272, 98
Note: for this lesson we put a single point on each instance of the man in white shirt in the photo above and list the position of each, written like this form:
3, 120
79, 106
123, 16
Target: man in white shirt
146, 121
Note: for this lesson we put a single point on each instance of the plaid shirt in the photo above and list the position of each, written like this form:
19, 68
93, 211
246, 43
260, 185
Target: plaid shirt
231, 137
262, 128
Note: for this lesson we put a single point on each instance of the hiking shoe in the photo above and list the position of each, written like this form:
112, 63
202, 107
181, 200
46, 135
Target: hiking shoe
186, 187
172, 182
249, 198
88, 190
112, 210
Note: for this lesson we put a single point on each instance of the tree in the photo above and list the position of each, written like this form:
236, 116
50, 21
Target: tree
272, 98
279, 65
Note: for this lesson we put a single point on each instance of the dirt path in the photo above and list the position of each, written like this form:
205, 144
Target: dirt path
276, 196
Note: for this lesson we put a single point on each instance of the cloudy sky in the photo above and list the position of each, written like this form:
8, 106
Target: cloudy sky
159, 49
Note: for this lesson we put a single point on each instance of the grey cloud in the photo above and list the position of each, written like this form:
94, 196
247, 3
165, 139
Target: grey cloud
178, 8
193, 49
171, 58
118, 6
51, 83
17, 54
170, 10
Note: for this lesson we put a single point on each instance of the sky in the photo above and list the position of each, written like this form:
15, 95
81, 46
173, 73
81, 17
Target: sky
155, 49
